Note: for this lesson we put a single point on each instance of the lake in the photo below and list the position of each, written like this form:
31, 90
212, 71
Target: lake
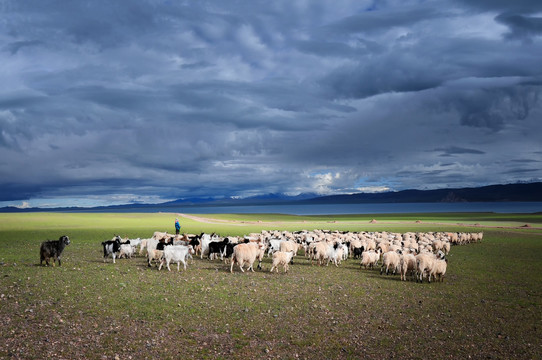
337, 209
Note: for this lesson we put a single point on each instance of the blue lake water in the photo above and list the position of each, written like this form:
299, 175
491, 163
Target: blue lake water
336, 209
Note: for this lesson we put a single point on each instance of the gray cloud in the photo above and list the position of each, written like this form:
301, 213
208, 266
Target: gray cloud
162, 100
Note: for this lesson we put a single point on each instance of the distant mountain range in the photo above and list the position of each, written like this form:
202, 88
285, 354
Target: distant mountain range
491, 193
522, 192
253, 200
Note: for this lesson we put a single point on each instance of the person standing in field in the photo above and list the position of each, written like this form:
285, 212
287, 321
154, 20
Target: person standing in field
177, 227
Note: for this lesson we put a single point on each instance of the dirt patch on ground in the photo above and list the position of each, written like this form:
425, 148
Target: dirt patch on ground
213, 221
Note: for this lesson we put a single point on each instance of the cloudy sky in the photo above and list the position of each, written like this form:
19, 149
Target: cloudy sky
107, 102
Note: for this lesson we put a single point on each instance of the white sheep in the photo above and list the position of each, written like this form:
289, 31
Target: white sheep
289, 245
390, 259
424, 264
408, 264
281, 258
438, 269
247, 254
318, 251
370, 258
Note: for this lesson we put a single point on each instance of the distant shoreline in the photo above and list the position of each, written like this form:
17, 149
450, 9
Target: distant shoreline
316, 209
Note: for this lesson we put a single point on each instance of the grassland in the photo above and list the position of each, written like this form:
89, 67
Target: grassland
488, 307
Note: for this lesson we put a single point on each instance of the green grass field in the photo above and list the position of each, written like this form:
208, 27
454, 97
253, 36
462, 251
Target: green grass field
489, 306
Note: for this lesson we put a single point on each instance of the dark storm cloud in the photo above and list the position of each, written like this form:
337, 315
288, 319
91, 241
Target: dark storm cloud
391, 74
330, 49
516, 15
454, 150
100, 22
375, 20
161, 99
494, 107
521, 26
14, 47
524, 6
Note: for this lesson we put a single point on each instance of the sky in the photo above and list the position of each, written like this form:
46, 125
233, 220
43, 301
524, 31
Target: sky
143, 101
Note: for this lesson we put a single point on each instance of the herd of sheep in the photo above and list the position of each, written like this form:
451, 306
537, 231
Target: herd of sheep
414, 255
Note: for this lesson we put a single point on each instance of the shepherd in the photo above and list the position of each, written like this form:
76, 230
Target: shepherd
177, 227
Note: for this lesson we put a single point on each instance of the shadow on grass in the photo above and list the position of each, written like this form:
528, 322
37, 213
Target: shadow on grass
396, 278
376, 275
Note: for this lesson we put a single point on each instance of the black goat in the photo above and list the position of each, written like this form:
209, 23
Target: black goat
217, 247
111, 247
52, 249
228, 251
358, 252
194, 241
